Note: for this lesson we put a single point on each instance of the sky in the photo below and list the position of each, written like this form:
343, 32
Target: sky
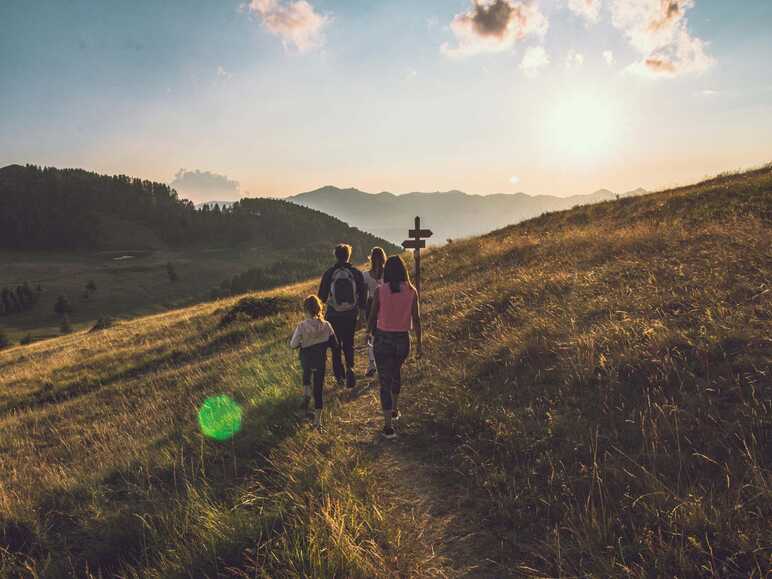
275, 97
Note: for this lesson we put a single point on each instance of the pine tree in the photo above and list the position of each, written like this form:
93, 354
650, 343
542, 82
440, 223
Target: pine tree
62, 306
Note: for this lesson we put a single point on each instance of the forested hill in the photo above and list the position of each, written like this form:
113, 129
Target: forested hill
49, 208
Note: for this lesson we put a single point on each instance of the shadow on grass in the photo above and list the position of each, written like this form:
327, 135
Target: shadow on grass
130, 515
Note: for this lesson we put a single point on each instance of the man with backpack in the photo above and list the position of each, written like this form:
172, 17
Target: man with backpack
344, 291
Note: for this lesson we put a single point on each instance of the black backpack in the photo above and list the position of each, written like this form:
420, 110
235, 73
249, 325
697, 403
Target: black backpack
343, 290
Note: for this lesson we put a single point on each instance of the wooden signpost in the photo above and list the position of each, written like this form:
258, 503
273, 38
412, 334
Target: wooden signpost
416, 243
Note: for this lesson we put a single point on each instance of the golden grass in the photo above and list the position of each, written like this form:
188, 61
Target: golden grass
596, 381
605, 373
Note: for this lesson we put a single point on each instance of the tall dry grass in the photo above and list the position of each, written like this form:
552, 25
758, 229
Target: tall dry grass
104, 472
596, 381
603, 374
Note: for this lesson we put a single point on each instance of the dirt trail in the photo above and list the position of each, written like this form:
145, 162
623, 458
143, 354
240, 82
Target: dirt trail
414, 479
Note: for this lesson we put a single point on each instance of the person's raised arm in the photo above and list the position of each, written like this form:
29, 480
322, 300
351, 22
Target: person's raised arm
372, 321
417, 326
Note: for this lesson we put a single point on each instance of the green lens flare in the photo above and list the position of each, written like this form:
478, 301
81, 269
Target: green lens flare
220, 417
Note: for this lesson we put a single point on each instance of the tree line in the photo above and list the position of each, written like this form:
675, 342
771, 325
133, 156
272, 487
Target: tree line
19, 299
49, 208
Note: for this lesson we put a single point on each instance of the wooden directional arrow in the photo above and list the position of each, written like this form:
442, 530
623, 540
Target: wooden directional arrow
414, 244
417, 233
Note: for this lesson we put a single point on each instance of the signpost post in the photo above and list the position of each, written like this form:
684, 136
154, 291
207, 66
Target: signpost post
416, 243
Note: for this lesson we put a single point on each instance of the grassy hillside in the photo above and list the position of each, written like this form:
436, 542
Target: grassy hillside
594, 401
125, 287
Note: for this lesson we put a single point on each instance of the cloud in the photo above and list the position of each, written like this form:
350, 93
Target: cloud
534, 59
514, 179
222, 73
494, 26
296, 22
709, 92
574, 59
658, 30
204, 185
587, 9
608, 56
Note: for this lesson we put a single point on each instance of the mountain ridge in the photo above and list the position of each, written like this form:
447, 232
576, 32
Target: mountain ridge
450, 214
47, 207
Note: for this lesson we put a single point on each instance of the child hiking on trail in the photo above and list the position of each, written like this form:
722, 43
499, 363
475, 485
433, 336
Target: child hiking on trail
373, 279
395, 308
313, 336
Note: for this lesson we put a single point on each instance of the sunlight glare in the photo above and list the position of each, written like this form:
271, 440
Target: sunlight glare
583, 126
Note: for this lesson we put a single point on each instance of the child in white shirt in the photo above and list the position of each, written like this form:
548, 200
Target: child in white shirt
313, 336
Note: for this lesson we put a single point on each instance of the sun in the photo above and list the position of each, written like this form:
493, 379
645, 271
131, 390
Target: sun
583, 126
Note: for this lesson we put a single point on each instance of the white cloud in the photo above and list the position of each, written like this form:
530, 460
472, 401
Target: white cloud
222, 73
608, 56
534, 59
296, 22
204, 185
494, 26
658, 30
574, 59
587, 9
514, 179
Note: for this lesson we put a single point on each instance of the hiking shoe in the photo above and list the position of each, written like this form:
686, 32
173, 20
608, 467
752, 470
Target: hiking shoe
370, 372
396, 415
388, 432
351, 379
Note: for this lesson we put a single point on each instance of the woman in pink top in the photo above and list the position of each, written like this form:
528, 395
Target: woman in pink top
395, 309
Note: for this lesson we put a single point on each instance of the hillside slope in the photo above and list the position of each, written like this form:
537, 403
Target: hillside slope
451, 214
594, 401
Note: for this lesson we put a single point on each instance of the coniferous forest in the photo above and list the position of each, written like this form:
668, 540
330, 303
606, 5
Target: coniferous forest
45, 208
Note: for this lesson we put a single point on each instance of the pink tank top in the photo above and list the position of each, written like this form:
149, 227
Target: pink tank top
395, 309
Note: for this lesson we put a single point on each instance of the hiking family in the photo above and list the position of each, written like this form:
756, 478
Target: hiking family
388, 303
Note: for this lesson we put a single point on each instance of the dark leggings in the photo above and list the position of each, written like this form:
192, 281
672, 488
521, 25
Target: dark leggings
344, 326
313, 360
391, 350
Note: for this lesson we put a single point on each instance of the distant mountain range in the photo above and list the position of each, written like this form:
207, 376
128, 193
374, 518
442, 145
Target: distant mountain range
451, 214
